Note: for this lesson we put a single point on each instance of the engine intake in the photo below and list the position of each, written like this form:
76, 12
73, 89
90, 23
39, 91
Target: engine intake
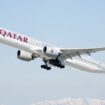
51, 52
23, 55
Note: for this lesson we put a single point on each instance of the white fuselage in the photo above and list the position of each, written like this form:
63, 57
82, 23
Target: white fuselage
25, 43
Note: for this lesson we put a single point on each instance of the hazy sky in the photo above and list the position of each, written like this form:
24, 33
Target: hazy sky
64, 23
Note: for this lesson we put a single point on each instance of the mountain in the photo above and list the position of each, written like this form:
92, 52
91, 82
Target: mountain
71, 101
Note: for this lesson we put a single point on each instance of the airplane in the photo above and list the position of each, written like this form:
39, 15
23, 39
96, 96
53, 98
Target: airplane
30, 49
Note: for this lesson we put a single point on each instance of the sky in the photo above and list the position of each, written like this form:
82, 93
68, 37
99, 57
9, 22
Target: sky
63, 23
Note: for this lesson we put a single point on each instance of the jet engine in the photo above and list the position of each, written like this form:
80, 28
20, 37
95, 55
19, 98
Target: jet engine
51, 52
25, 56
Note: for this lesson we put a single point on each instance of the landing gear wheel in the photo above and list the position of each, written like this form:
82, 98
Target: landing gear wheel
48, 68
45, 67
63, 66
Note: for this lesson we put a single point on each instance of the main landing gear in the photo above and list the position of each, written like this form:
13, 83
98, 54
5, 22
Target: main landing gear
57, 63
45, 67
54, 62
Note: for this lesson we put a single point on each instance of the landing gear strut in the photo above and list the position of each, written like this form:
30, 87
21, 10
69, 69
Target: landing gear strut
46, 65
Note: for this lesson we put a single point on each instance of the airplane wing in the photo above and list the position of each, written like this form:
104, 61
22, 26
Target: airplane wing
68, 53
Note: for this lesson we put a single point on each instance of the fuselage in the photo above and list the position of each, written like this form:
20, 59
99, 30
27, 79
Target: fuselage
22, 42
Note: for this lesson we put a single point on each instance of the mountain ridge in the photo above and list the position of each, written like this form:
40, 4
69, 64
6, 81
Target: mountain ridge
72, 101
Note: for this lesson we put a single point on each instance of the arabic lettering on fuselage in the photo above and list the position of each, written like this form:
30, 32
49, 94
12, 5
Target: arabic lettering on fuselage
12, 35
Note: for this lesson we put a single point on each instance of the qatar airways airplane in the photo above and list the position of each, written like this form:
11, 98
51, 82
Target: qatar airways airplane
29, 49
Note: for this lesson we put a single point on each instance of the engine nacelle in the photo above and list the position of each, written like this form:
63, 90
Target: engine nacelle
51, 52
23, 55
